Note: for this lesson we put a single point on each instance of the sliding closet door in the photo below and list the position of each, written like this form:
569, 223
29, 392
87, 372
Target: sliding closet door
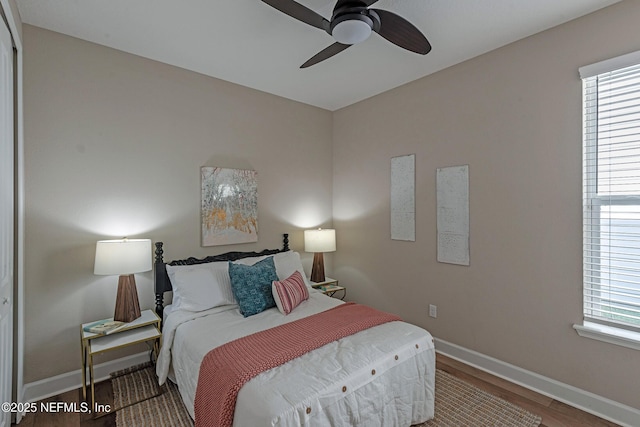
6, 220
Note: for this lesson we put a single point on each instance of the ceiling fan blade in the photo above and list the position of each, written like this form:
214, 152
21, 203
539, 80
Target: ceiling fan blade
300, 12
341, 3
401, 32
326, 53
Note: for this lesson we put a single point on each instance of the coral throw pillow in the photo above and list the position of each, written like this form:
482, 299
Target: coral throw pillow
290, 292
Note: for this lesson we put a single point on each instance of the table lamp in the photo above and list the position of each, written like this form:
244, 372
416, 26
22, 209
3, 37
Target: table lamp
124, 257
319, 241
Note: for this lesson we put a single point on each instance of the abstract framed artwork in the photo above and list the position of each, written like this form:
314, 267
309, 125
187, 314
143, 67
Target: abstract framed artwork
229, 206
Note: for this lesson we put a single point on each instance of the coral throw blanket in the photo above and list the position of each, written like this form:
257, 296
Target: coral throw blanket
225, 369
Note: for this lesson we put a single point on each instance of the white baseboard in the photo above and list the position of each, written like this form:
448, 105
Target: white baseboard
573, 396
48, 387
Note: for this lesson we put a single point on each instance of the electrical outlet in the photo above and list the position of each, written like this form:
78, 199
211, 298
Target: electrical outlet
433, 310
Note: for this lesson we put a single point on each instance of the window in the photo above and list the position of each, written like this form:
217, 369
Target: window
611, 192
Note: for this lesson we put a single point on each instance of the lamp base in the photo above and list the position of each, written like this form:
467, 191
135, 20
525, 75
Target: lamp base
317, 271
127, 305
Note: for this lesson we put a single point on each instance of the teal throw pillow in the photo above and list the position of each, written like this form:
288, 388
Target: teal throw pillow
251, 285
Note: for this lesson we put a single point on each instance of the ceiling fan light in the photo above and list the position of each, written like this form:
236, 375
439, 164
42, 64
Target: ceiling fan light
351, 31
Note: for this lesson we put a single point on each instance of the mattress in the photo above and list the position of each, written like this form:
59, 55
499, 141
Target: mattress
380, 376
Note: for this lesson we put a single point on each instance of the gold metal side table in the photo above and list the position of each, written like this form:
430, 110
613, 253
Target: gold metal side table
330, 287
145, 328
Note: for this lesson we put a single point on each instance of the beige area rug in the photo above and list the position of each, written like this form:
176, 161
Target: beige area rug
134, 385
140, 401
458, 404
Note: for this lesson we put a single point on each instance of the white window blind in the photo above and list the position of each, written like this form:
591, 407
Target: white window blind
611, 197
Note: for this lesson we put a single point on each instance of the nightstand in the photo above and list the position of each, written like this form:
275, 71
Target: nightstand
145, 328
329, 287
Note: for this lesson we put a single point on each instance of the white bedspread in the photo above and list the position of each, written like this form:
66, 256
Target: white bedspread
380, 390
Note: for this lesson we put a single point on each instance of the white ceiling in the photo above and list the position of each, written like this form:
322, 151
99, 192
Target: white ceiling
250, 43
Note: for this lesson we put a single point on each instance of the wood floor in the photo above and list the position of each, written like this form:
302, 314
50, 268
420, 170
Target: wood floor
553, 413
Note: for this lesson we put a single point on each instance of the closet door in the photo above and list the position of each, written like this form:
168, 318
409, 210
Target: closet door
6, 220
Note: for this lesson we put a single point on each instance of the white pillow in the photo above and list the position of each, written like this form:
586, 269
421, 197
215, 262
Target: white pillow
251, 260
201, 286
222, 281
287, 263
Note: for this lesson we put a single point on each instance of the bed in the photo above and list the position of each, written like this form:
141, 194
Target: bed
381, 374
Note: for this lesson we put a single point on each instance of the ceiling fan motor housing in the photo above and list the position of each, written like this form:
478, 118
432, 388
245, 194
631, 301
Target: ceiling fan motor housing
352, 23
352, 28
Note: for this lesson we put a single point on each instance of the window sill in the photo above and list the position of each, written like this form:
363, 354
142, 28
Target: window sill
609, 334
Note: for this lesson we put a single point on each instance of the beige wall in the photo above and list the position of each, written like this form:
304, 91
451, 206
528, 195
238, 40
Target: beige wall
114, 145
514, 116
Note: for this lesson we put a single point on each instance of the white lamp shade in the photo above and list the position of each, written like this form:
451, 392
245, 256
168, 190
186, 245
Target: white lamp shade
320, 240
125, 256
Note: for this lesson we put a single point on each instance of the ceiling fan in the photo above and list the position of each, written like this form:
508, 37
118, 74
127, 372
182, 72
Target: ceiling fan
351, 23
